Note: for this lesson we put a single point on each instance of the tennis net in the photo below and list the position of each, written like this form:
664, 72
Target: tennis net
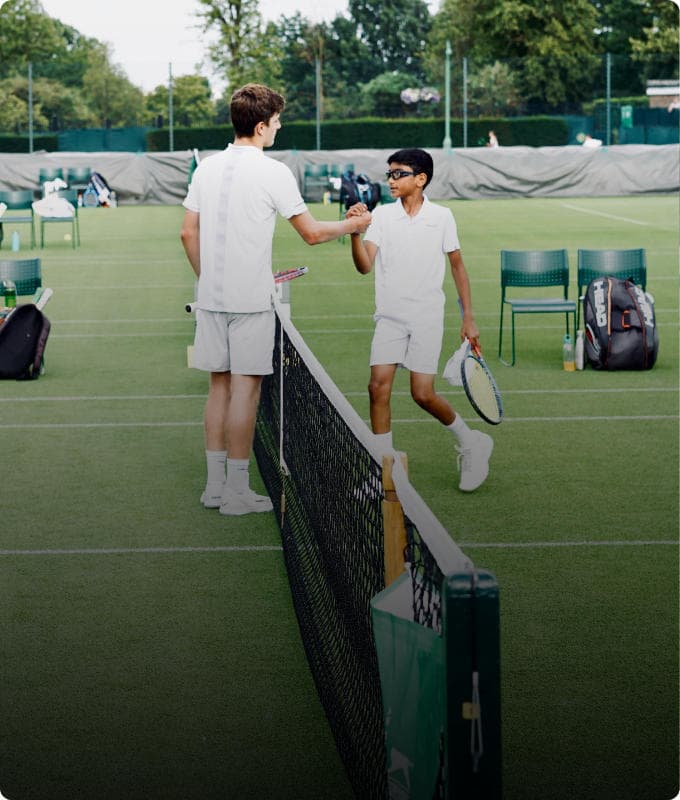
324, 475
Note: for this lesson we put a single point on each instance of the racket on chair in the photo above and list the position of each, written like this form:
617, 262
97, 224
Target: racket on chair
480, 387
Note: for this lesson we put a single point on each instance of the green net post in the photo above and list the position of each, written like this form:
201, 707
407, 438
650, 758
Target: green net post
472, 667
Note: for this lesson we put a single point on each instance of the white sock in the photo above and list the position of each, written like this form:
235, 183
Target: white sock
384, 441
215, 460
460, 430
237, 474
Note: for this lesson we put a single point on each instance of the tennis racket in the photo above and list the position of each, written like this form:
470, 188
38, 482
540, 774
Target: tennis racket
279, 277
480, 387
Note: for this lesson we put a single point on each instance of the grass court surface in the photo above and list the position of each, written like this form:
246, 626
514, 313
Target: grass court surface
149, 648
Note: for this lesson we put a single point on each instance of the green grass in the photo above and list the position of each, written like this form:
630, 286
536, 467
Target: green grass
169, 673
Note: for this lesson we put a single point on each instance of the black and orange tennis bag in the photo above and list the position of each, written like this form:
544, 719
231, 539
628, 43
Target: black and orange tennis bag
620, 325
23, 336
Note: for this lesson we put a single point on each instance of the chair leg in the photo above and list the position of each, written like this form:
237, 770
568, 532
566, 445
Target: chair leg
42, 234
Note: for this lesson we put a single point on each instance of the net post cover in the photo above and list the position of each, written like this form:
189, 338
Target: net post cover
410, 660
472, 663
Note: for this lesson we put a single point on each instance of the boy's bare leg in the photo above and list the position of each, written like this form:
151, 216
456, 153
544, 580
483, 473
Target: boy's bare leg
422, 391
380, 392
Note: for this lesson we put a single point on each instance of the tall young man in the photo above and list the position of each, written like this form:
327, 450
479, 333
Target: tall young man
227, 234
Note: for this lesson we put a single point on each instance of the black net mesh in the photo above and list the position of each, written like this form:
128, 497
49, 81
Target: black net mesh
329, 511
328, 501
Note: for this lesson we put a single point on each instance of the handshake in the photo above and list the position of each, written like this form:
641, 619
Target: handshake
360, 214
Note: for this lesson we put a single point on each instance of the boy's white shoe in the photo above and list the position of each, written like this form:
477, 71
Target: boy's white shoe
237, 503
212, 496
473, 461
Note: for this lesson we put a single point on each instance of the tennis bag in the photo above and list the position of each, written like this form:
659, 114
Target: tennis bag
620, 326
358, 189
23, 337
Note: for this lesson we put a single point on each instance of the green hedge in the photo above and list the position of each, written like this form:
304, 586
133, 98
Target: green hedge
377, 134
19, 144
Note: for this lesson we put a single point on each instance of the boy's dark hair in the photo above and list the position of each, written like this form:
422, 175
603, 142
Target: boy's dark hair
252, 104
417, 159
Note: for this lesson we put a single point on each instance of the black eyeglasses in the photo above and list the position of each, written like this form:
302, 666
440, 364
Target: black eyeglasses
395, 174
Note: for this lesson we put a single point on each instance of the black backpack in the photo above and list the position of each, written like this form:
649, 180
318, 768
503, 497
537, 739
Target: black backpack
358, 189
620, 326
23, 337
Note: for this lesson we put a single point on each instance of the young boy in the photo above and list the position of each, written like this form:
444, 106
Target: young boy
407, 241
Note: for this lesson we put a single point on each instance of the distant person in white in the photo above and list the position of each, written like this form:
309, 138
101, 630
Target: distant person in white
588, 141
227, 233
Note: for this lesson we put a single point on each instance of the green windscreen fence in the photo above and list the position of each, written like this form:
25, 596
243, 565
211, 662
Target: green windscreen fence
100, 140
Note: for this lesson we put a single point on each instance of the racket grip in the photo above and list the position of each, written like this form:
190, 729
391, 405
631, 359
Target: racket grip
189, 307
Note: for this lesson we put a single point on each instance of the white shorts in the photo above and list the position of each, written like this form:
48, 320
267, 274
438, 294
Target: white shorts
414, 345
239, 343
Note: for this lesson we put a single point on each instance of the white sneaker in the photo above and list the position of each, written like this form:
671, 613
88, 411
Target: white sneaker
212, 496
473, 461
237, 503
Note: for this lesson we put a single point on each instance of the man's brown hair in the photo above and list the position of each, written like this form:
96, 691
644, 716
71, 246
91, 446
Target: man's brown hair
252, 104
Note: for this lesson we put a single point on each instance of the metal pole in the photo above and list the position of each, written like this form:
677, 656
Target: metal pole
446, 144
30, 107
465, 102
609, 99
317, 70
171, 119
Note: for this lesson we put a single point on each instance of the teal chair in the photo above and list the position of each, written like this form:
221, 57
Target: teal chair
78, 178
622, 264
49, 174
19, 210
25, 272
315, 182
530, 270
72, 196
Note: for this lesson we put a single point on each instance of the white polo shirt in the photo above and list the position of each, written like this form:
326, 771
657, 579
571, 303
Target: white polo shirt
238, 194
410, 263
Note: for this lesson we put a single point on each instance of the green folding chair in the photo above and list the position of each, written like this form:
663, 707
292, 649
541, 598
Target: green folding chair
72, 196
19, 210
315, 182
622, 264
78, 178
25, 272
532, 269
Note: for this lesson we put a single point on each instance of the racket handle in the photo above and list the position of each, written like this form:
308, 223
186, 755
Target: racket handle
189, 307
44, 297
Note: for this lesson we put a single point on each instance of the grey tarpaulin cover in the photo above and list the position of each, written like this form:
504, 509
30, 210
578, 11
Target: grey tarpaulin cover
471, 173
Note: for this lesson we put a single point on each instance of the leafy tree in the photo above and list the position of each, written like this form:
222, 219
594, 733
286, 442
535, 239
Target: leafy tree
492, 91
655, 47
381, 97
395, 31
116, 101
27, 34
548, 46
240, 43
191, 101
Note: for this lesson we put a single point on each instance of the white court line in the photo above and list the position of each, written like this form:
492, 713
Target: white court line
114, 551
363, 393
610, 418
591, 543
608, 216
193, 424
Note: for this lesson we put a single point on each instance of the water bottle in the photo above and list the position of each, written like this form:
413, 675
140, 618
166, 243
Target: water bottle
16, 241
9, 289
579, 349
568, 354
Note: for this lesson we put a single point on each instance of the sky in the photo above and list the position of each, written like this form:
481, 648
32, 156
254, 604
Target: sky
148, 35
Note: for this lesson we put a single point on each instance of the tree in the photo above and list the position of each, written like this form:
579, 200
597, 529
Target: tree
27, 34
116, 101
381, 97
238, 24
548, 46
191, 100
395, 32
655, 47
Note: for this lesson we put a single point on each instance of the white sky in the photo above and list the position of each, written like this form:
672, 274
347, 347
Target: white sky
147, 35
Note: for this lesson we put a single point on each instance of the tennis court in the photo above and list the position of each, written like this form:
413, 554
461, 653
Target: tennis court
149, 646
